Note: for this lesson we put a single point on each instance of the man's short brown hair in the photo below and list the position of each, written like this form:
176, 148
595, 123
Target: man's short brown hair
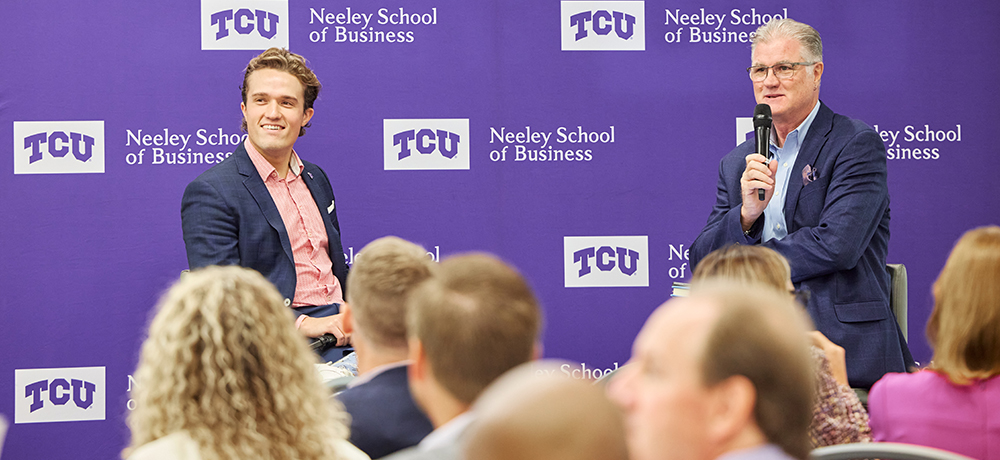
761, 335
384, 274
285, 61
476, 319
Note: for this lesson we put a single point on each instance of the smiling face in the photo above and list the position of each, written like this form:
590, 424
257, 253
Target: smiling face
274, 112
791, 100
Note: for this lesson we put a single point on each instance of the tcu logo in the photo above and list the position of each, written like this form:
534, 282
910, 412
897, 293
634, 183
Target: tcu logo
446, 142
258, 24
606, 261
243, 21
744, 129
588, 26
624, 23
59, 144
59, 395
58, 147
426, 144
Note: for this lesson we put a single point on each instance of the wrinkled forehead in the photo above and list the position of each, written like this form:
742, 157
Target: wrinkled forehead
776, 50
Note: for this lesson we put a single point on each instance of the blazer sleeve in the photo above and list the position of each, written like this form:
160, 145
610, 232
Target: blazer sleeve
210, 227
723, 227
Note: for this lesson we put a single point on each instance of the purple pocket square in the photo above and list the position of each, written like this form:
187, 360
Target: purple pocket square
808, 175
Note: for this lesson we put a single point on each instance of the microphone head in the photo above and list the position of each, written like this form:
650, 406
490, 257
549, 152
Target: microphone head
762, 115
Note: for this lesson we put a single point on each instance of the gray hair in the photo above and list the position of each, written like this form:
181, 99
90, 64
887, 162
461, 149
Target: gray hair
812, 45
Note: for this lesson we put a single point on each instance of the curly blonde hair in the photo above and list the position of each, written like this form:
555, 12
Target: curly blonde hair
224, 363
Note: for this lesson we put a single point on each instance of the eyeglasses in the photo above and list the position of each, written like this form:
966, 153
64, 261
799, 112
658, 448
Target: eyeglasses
801, 296
782, 70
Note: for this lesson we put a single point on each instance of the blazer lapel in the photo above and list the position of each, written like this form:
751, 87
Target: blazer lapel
814, 142
255, 185
320, 199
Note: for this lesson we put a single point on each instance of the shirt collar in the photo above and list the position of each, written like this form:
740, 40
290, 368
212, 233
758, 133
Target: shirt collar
761, 452
801, 130
448, 433
265, 168
375, 371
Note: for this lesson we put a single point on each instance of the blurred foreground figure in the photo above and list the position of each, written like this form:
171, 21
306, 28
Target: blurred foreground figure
474, 320
535, 412
384, 417
955, 403
838, 416
725, 371
224, 374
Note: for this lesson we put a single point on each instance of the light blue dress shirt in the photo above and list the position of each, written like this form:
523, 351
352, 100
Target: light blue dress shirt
774, 213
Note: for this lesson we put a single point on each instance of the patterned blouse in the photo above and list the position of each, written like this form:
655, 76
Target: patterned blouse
838, 416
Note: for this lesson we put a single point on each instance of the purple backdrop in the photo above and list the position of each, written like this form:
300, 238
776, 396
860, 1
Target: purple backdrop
86, 254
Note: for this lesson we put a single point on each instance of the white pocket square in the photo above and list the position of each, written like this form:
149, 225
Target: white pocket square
329, 209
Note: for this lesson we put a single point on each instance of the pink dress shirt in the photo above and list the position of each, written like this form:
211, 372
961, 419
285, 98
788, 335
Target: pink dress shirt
315, 283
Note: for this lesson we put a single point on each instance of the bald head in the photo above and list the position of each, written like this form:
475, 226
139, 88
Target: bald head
535, 412
724, 369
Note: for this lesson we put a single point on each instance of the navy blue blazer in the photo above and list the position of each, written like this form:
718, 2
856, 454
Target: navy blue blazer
229, 218
837, 213
384, 418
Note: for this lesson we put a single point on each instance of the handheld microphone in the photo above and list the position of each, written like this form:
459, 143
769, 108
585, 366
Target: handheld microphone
762, 134
322, 342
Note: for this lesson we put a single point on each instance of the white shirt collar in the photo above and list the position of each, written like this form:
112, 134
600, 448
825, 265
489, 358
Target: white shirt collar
448, 433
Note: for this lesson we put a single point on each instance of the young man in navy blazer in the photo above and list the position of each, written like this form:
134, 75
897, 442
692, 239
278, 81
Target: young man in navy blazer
265, 208
825, 206
384, 418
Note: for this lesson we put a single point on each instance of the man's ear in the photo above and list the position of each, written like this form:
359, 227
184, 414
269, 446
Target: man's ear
731, 408
417, 370
348, 319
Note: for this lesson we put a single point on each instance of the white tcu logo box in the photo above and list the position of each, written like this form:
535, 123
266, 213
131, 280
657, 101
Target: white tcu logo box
428, 144
603, 26
58, 147
606, 261
66, 394
244, 24
744, 129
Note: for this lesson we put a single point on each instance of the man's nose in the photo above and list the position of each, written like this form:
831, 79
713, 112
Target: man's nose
771, 79
272, 110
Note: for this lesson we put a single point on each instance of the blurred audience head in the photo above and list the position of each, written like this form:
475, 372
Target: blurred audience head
475, 319
747, 265
964, 326
537, 412
725, 369
223, 362
383, 275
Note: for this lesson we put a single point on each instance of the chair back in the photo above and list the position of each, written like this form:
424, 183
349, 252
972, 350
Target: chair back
897, 295
883, 450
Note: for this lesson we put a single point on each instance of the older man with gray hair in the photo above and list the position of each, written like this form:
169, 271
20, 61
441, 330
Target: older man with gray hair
825, 205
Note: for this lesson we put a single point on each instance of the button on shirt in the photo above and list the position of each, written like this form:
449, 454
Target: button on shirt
774, 214
315, 283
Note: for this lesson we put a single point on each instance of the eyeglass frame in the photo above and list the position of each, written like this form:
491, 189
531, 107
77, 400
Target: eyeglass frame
770, 70
801, 296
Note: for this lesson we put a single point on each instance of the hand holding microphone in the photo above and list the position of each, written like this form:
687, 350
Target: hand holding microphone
762, 135
758, 178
